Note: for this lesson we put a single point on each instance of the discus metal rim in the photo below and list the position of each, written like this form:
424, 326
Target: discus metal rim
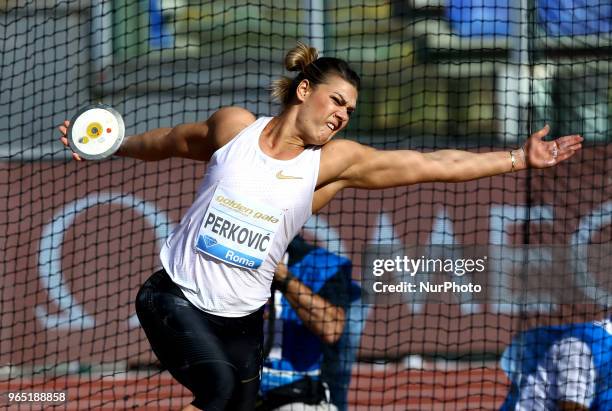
116, 144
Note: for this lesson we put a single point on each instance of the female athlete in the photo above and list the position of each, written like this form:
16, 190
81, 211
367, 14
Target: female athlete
202, 313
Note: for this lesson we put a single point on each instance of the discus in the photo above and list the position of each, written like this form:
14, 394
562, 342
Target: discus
96, 132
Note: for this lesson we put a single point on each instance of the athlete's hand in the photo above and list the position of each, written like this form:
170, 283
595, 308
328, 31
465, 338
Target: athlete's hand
542, 154
63, 129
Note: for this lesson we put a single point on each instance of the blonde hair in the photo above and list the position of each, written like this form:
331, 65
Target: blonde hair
305, 60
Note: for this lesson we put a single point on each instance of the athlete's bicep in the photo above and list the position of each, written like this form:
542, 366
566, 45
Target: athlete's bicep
200, 140
192, 140
347, 163
391, 168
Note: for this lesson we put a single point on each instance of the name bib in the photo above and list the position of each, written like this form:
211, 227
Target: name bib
238, 230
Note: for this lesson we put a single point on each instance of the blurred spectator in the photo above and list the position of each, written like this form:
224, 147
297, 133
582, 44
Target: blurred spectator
479, 17
567, 367
575, 95
575, 17
571, 89
557, 17
315, 285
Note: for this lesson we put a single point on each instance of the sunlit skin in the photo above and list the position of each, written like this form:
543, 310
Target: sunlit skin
325, 110
344, 163
322, 112
314, 116
324, 319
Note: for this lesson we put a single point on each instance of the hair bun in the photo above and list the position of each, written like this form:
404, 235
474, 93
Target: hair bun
300, 56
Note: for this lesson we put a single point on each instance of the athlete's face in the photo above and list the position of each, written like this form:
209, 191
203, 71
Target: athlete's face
326, 108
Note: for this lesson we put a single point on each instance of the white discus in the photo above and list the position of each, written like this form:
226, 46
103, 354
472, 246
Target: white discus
96, 132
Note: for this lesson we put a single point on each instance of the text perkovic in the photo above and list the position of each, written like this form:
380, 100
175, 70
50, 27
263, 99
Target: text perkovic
237, 233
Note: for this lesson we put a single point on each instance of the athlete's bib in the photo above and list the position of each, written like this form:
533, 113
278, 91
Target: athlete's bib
238, 230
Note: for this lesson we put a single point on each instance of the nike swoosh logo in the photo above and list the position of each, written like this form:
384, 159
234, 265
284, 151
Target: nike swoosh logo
281, 176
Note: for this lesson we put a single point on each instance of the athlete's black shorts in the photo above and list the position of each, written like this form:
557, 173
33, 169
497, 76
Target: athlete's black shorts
217, 358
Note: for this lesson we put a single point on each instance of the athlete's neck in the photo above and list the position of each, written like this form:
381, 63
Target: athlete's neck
280, 138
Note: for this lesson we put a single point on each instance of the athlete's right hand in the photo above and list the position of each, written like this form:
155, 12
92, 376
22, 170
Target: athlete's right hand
63, 128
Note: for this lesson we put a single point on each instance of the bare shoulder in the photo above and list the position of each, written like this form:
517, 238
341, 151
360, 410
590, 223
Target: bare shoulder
226, 122
338, 156
338, 149
232, 113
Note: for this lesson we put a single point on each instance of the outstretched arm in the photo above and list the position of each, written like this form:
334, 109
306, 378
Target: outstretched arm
197, 141
371, 168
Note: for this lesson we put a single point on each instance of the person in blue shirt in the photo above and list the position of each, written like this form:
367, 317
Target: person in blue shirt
315, 286
566, 367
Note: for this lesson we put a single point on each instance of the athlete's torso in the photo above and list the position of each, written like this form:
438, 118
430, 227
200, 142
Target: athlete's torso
246, 211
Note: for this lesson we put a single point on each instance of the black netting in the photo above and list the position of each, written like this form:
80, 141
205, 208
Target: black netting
80, 238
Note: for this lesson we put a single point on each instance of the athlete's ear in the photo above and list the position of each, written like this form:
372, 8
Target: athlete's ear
303, 90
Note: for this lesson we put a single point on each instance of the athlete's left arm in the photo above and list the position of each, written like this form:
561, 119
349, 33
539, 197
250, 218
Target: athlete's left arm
371, 168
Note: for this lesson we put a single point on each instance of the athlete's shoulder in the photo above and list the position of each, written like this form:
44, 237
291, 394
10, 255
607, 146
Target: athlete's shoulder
342, 146
227, 122
337, 156
344, 150
231, 117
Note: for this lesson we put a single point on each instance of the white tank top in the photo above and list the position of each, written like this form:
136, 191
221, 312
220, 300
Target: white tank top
246, 211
